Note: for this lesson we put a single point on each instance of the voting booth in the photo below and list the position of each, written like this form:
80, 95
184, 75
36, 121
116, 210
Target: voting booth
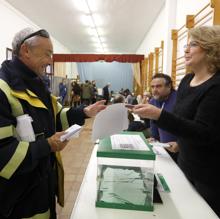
125, 172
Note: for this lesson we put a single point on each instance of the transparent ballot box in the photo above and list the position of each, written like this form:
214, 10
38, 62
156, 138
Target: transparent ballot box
125, 172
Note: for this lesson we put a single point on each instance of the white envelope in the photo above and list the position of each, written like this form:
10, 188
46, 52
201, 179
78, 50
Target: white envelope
112, 120
72, 131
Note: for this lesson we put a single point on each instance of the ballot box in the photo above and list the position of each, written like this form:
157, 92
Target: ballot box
125, 172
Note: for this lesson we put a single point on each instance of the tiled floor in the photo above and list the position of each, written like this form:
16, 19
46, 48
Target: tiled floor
75, 156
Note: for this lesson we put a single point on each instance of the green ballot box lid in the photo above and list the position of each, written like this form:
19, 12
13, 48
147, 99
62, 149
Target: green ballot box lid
105, 149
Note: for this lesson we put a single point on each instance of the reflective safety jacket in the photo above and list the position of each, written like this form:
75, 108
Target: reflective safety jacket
30, 174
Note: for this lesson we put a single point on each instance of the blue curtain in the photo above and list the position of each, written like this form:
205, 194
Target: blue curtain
119, 75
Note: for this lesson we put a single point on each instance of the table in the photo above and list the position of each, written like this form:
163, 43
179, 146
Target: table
183, 202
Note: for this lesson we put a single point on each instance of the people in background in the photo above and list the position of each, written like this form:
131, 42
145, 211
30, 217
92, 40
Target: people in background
75, 94
131, 99
46, 80
31, 171
195, 119
106, 93
121, 91
86, 93
62, 91
139, 98
121, 99
94, 92
146, 97
164, 96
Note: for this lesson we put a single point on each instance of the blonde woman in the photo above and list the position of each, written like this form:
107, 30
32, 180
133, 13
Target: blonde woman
195, 119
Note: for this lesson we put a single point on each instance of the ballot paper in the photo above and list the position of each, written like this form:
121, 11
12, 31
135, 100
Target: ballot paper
159, 144
128, 142
110, 121
72, 131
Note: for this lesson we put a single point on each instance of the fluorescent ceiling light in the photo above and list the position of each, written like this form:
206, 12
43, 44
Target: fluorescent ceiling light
93, 5
97, 19
91, 19
87, 20
101, 31
95, 39
104, 45
92, 32
103, 39
98, 45
99, 50
81, 5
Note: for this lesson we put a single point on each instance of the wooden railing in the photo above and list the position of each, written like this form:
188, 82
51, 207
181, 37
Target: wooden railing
152, 64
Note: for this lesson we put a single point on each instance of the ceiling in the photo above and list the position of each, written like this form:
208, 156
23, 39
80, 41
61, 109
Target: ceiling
121, 24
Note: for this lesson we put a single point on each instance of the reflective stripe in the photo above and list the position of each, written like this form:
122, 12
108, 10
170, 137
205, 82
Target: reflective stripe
63, 118
60, 173
54, 104
31, 93
32, 100
6, 131
57, 107
15, 160
45, 215
16, 106
22, 147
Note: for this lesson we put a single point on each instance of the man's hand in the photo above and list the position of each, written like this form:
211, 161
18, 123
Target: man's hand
93, 109
55, 143
174, 147
151, 139
147, 111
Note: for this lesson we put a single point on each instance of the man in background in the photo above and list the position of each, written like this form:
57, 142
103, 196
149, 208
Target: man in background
106, 93
62, 91
163, 96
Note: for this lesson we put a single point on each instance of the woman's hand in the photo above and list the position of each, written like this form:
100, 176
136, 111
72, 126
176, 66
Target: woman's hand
147, 111
95, 108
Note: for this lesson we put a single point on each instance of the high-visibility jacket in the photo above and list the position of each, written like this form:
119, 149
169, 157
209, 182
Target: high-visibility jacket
28, 170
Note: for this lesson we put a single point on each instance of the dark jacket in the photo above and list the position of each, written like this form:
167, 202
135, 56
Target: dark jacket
29, 171
106, 92
168, 104
196, 123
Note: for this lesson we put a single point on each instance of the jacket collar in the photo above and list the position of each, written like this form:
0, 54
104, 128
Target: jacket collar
16, 73
18, 76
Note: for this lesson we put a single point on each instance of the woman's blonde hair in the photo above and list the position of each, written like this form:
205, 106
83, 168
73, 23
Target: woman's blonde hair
208, 38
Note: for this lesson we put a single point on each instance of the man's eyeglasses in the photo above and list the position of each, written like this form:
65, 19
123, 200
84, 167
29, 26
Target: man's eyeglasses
192, 44
42, 33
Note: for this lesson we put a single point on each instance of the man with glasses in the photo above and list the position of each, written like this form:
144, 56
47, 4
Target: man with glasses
31, 171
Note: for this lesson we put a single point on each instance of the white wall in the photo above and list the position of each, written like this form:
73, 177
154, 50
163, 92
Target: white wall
172, 16
11, 21
154, 35
159, 31
188, 7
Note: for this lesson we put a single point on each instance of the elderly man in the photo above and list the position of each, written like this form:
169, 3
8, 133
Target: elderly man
31, 172
164, 96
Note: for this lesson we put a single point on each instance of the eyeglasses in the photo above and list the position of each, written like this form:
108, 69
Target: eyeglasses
192, 44
42, 33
